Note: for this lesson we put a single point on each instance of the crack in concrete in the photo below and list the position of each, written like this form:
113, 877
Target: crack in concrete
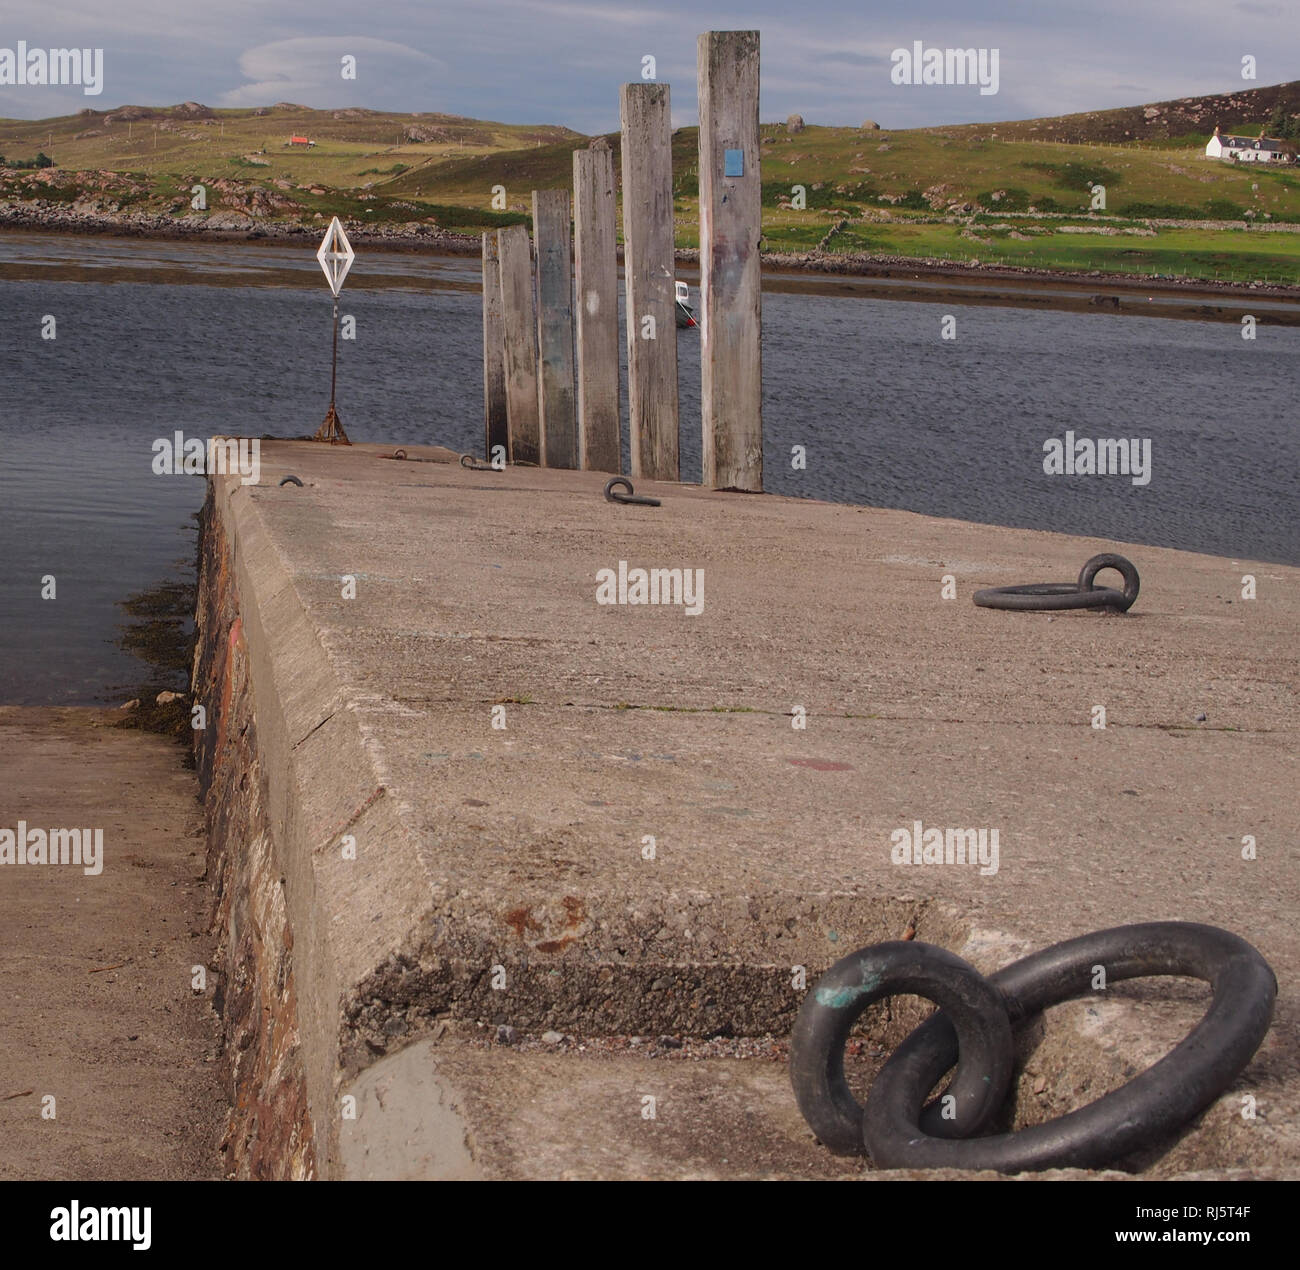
379, 792
829, 714
316, 729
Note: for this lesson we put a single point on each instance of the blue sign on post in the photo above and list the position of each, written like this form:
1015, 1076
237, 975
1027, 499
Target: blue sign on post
733, 163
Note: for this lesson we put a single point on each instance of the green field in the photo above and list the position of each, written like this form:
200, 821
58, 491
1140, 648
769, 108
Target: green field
149, 159
931, 196
353, 147
992, 193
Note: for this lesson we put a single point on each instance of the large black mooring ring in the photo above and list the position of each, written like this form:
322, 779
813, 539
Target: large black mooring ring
615, 484
885, 970
1110, 560
1150, 1107
1039, 597
1048, 596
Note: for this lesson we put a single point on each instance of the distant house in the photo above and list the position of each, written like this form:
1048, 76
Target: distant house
300, 141
1249, 149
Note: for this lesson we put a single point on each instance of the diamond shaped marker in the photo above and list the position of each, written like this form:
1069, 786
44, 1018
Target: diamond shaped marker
335, 256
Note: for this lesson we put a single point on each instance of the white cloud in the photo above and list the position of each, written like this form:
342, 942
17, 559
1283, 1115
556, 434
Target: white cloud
309, 70
609, 14
562, 61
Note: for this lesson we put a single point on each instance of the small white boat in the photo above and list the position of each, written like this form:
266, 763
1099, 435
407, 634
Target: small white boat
685, 314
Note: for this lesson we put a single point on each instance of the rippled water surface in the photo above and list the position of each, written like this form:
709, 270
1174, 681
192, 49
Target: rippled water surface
152, 337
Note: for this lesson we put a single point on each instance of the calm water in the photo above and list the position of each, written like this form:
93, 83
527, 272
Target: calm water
154, 337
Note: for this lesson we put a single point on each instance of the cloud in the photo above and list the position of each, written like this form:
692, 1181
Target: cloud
308, 70
562, 61
610, 14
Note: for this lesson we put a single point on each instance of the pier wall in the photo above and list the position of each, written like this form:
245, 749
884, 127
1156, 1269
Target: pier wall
409, 900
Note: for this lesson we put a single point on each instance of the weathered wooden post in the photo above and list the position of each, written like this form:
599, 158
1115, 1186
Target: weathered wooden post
555, 404
731, 223
495, 426
520, 350
648, 270
596, 266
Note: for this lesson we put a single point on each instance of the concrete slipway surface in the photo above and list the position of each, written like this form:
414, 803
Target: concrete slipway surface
524, 847
97, 1006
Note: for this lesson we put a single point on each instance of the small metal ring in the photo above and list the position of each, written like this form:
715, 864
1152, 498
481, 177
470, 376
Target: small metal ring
1147, 1109
828, 1012
290, 480
399, 454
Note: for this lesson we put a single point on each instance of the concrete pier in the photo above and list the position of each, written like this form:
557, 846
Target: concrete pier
485, 808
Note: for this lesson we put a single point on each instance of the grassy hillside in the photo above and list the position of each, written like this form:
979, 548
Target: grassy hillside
352, 146
1018, 192
930, 193
1159, 122
147, 158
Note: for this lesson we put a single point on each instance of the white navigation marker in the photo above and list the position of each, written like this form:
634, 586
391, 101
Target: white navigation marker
335, 256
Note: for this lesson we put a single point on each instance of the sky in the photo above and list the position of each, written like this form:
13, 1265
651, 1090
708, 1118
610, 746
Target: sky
561, 61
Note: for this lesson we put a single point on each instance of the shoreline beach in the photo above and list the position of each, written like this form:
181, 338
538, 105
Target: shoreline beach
819, 273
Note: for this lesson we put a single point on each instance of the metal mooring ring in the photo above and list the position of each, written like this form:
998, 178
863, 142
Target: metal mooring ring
470, 462
630, 497
885, 970
1109, 560
1045, 596
290, 480
1149, 1108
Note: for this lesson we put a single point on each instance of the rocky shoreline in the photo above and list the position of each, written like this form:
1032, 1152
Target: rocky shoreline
44, 217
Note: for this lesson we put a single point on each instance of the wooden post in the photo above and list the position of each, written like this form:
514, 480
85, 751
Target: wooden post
596, 265
520, 349
555, 405
494, 366
731, 224
648, 270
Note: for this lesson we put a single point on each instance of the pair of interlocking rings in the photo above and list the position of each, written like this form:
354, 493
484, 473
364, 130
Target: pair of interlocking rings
1039, 596
973, 1028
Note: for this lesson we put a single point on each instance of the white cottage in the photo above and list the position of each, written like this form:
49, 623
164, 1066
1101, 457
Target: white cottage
1246, 149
